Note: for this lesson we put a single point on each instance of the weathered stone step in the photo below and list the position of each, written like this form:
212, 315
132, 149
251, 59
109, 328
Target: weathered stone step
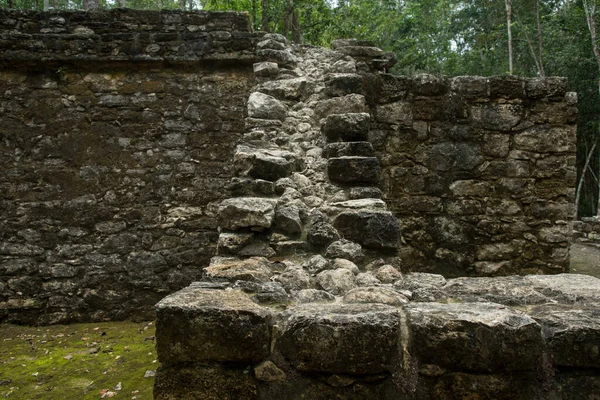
247, 212
372, 229
350, 127
211, 332
264, 163
348, 149
354, 170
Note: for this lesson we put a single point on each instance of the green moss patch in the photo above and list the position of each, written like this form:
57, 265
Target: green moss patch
82, 361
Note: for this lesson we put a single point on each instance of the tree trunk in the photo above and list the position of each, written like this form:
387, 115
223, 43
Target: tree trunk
287, 18
540, 37
46, 5
122, 3
182, 4
265, 15
508, 26
296, 31
582, 177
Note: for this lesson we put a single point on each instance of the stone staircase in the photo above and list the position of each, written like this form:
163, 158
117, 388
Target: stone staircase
289, 215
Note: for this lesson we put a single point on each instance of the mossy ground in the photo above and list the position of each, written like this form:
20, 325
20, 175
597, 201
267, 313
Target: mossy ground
81, 361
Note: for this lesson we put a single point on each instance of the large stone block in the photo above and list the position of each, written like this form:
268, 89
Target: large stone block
233, 269
354, 170
474, 337
242, 212
376, 229
198, 324
572, 333
340, 339
350, 127
264, 106
267, 164
547, 139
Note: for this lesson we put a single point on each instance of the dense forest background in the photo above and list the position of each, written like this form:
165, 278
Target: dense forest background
445, 37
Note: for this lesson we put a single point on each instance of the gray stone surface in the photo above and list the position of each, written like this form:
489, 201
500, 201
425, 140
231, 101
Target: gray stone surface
197, 325
263, 106
348, 339
232, 269
337, 281
350, 127
354, 170
475, 337
242, 212
345, 249
377, 229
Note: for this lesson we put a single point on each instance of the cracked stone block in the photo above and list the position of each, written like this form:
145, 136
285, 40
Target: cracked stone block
373, 229
474, 337
354, 170
266, 164
340, 339
256, 269
208, 325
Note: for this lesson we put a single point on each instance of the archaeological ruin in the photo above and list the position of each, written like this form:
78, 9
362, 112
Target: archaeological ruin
301, 223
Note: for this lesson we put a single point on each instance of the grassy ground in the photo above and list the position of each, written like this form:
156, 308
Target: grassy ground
82, 361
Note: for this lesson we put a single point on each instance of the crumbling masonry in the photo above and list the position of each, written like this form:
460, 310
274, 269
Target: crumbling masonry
314, 200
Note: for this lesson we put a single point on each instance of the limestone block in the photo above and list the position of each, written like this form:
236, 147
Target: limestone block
346, 264
429, 85
475, 337
321, 234
313, 296
341, 84
213, 381
349, 127
572, 333
288, 89
354, 170
374, 294
344, 149
197, 325
446, 156
232, 269
510, 87
337, 281
341, 339
293, 278
388, 274
363, 192
471, 87
344, 248
547, 139
241, 212
352, 103
263, 106
546, 87
367, 279
418, 280
265, 69
495, 116
266, 164
287, 220
377, 229
398, 113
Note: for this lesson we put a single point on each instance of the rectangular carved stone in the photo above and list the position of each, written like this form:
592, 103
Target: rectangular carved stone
198, 324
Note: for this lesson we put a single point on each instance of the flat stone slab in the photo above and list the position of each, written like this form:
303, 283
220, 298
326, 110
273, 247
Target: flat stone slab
354, 170
197, 324
232, 269
476, 337
243, 212
267, 164
375, 229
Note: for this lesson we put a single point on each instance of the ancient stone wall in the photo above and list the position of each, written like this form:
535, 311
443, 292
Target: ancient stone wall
479, 171
110, 173
137, 146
